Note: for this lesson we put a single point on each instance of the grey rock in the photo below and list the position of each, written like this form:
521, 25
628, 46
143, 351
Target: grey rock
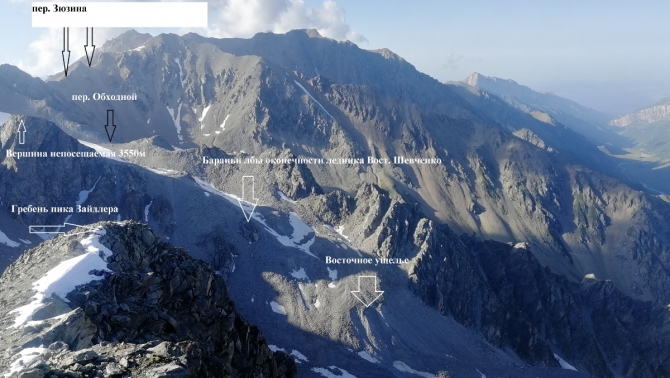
170, 370
201, 332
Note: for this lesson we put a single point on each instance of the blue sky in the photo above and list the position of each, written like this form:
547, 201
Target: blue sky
610, 55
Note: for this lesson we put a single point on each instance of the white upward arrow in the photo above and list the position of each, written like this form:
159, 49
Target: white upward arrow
22, 133
357, 293
248, 203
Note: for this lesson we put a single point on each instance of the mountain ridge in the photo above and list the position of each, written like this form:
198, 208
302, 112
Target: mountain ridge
586, 121
486, 82
503, 175
186, 325
356, 118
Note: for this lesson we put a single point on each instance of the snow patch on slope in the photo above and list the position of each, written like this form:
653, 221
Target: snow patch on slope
330, 373
399, 365
181, 72
564, 363
276, 307
313, 99
337, 230
300, 274
66, 276
83, 195
301, 230
163, 172
366, 356
299, 357
332, 273
26, 358
202, 118
146, 211
223, 125
284, 197
176, 120
105, 152
340, 230
305, 301
275, 348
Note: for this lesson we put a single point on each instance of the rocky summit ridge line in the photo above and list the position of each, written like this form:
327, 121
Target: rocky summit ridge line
152, 311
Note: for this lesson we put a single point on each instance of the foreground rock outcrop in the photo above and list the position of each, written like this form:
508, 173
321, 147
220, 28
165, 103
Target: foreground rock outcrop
152, 312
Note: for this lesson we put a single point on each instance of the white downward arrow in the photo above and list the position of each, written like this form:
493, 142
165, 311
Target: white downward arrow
378, 293
248, 203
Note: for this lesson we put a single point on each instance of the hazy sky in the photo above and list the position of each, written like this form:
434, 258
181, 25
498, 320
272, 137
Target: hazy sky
611, 55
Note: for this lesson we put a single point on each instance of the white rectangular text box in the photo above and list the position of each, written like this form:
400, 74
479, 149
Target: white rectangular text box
120, 15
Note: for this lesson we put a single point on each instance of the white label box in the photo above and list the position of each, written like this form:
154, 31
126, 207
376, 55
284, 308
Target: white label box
120, 14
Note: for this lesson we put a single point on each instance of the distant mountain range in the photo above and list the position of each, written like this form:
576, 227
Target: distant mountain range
649, 128
549, 107
638, 142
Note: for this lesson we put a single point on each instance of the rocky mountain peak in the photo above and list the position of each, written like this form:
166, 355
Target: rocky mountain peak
113, 299
485, 82
390, 55
472, 79
583, 120
126, 41
312, 33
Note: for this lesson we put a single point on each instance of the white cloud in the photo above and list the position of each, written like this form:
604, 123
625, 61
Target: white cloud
227, 18
331, 22
453, 61
244, 18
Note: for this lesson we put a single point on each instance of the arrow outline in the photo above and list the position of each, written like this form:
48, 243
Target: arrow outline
66, 66
253, 197
359, 290
107, 125
33, 229
22, 133
90, 60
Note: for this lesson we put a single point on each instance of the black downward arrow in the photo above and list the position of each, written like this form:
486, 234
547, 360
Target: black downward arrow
66, 48
110, 122
89, 58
